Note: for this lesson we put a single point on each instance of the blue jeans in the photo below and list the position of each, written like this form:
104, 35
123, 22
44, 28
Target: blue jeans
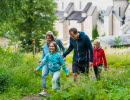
55, 77
45, 72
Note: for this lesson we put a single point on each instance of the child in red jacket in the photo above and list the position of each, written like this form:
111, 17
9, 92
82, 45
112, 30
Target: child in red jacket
99, 59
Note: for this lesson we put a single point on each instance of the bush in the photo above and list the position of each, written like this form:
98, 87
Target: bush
112, 86
16, 75
95, 33
17, 79
4, 80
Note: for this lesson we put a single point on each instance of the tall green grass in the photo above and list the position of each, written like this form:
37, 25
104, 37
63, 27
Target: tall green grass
16, 75
18, 80
112, 86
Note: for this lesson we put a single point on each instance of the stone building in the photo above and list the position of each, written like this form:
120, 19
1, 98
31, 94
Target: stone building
112, 17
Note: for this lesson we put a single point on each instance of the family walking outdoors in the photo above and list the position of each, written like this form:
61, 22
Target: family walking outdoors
85, 56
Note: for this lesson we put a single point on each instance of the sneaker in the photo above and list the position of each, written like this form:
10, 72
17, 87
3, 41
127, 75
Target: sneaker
43, 93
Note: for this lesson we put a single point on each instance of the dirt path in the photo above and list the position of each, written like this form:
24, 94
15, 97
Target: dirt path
32, 98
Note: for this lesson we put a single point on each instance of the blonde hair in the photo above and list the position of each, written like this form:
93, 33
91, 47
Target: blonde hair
96, 41
49, 32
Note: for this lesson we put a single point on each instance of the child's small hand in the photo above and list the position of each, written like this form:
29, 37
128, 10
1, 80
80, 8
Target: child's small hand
90, 64
105, 68
64, 59
67, 75
91, 68
35, 70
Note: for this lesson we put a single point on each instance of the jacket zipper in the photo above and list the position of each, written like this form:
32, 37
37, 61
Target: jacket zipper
77, 50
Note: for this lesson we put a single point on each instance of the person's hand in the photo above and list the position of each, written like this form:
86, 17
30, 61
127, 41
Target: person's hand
35, 70
39, 61
90, 64
65, 59
67, 75
105, 68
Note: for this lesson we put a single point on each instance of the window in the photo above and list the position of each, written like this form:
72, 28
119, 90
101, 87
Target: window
101, 16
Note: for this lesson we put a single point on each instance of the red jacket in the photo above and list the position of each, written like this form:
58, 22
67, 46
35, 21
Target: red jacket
99, 57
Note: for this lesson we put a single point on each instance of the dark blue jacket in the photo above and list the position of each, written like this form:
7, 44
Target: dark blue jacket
82, 48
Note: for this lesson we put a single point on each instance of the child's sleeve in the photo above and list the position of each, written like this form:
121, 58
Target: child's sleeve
63, 64
42, 63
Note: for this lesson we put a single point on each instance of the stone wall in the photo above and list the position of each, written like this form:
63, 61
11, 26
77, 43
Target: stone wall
116, 25
108, 24
80, 4
127, 13
59, 28
120, 6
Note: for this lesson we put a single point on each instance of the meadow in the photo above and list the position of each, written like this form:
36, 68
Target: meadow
17, 79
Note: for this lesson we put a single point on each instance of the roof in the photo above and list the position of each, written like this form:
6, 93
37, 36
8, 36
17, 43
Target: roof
109, 40
68, 7
75, 15
127, 19
63, 19
107, 12
91, 11
60, 14
128, 32
124, 26
117, 16
87, 7
82, 19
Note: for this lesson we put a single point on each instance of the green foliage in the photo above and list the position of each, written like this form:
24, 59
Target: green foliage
104, 34
18, 80
117, 40
94, 33
29, 19
4, 80
118, 60
112, 86
16, 75
69, 57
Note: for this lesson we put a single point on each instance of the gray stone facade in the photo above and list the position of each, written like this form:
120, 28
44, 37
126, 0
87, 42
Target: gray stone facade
111, 17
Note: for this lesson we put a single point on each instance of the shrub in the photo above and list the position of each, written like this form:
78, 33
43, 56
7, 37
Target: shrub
4, 80
94, 33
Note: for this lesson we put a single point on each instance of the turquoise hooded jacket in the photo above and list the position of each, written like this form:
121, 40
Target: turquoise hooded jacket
46, 50
54, 61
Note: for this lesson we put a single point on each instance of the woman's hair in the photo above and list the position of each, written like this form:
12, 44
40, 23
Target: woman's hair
49, 32
55, 45
50, 36
96, 41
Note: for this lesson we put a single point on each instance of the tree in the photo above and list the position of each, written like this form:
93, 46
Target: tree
94, 33
30, 19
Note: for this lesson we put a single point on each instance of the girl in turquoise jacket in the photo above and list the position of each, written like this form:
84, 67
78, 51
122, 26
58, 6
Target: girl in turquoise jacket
55, 61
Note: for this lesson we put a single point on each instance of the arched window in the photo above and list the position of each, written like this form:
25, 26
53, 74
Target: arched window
101, 16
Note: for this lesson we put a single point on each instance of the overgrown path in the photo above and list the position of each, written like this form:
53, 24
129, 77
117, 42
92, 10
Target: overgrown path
91, 76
